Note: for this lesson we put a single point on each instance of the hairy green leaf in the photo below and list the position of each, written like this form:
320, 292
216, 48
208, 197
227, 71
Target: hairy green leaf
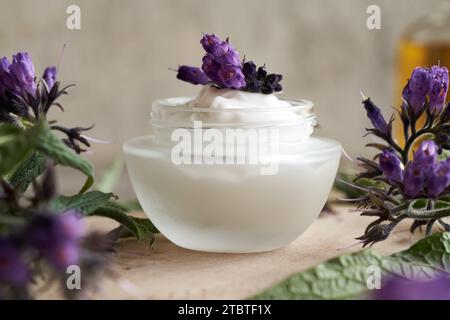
14, 148
121, 217
85, 203
29, 170
345, 277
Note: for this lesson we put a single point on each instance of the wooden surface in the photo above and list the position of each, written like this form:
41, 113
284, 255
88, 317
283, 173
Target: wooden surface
171, 272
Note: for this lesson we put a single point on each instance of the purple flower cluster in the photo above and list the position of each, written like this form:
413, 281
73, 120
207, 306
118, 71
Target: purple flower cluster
427, 83
18, 77
403, 173
222, 67
397, 288
423, 176
55, 237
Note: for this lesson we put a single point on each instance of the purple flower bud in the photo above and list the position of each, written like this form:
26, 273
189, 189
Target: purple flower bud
249, 69
57, 237
414, 180
209, 42
13, 270
375, 116
6, 80
22, 70
417, 88
391, 166
439, 88
232, 77
50, 77
426, 154
439, 179
4, 65
211, 68
224, 54
397, 288
192, 75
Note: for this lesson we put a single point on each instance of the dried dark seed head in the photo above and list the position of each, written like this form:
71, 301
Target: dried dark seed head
376, 234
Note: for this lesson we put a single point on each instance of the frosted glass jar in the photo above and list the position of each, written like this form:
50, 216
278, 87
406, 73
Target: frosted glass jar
233, 207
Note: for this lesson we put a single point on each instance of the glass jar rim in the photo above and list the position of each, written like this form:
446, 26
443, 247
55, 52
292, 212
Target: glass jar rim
301, 107
180, 104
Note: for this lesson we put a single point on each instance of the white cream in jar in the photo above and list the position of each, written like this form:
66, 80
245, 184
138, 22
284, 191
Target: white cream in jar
232, 207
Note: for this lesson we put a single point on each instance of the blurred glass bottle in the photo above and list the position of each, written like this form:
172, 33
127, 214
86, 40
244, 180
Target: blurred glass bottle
426, 42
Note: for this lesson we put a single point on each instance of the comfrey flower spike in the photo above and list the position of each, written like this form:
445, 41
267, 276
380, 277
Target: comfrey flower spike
438, 88
416, 90
424, 182
391, 166
222, 67
22, 70
375, 116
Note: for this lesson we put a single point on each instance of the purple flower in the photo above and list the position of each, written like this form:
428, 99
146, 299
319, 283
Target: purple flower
439, 179
426, 154
417, 88
414, 180
211, 68
210, 42
50, 77
6, 80
438, 88
397, 288
22, 70
224, 54
192, 75
13, 269
375, 116
57, 237
232, 77
390, 164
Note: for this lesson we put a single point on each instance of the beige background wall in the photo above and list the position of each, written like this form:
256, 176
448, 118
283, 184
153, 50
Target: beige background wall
120, 58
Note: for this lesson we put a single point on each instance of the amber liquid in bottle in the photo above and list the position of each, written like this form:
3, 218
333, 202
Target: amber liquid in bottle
425, 43
411, 54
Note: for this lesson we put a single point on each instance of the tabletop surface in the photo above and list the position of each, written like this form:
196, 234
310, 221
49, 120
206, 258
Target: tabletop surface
169, 272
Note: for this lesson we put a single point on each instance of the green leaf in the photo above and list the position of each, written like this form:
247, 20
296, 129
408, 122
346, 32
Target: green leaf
51, 146
345, 277
85, 203
111, 176
146, 224
121, 217
14, 147
29, 170
127, 206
